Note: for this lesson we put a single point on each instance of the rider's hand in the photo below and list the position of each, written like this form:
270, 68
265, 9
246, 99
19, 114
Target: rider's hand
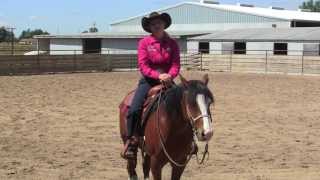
165, 77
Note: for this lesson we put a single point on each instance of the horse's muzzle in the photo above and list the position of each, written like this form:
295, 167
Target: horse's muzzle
204, 135
208, 134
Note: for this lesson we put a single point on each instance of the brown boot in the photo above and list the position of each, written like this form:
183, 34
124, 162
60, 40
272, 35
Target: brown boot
130, 148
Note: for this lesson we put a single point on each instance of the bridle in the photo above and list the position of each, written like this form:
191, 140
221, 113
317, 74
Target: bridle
192, 120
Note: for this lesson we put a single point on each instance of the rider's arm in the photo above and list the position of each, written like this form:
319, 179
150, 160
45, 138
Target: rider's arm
143, 61
175, 61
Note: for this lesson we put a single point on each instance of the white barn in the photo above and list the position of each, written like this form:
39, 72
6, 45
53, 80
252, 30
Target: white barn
190, 19
281, 41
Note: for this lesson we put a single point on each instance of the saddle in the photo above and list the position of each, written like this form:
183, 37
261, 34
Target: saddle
148, 103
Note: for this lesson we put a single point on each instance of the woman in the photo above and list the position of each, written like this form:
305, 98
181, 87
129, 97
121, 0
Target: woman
159, 61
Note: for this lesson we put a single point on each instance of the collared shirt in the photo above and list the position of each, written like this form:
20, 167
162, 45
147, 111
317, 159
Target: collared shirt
158, 56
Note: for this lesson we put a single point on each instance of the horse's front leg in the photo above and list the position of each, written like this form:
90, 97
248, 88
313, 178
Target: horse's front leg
156, 167
131, 167
176, 172
146, 166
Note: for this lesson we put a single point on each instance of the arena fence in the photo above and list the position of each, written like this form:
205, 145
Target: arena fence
68, 61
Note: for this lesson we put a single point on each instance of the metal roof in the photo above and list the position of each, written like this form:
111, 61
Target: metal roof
125, 35
263, 34
257, 11
266, 12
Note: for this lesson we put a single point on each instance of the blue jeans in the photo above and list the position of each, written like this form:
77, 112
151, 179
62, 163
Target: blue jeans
136, 108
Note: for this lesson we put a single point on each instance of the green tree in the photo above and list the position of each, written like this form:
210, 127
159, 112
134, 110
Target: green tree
313, 6
5, 35
93, 29
30, 33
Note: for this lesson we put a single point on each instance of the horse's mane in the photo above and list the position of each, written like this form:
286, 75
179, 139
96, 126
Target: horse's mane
172, 99
173, 96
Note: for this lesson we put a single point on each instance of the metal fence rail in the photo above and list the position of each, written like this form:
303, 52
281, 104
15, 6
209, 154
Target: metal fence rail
257, 61
216, 61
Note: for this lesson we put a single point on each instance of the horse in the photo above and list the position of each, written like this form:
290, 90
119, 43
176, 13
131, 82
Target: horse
182, 114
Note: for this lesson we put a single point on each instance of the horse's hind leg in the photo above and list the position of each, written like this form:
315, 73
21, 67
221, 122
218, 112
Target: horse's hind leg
176, 172
146, 166
131, 167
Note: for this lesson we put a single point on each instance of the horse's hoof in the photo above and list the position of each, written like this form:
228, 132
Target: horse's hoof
133, 178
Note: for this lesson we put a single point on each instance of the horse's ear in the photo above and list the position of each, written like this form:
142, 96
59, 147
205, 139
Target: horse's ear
205, 79
183, 80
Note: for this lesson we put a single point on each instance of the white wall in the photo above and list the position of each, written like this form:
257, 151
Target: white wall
227, 47
215, 47
65, 46
119, 46
259, 48
253, 48
129, 45
192, 46
311, 49
295, 49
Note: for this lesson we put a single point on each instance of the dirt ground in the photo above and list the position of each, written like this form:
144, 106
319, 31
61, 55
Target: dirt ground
267, 127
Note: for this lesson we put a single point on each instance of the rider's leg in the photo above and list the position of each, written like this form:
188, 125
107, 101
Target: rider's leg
134, 115
136, 106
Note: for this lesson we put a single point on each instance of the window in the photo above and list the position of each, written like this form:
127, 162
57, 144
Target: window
280, 49
310, 49
204, 47
91, 46
305, 24
239, 48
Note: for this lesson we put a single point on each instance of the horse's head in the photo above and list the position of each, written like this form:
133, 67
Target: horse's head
197, 99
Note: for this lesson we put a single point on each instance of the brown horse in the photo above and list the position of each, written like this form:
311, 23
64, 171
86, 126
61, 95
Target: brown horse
183, 111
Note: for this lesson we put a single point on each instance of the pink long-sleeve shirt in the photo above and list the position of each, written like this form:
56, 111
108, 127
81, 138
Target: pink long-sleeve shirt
156, 57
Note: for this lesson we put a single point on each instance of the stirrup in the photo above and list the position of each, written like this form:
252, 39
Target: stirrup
130, 149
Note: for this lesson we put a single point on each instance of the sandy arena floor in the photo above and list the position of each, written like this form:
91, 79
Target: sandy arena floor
267, 127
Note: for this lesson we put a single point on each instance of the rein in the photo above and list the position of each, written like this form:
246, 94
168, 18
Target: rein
192, 121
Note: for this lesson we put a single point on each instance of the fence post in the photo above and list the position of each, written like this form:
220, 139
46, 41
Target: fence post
11, 65
200, 61
266, 65
230, 62
302, 64
38, 61
131, 64
55, 60
74, 61
109, 61
184, 59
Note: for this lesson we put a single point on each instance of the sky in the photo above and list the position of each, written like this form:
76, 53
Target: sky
75, 16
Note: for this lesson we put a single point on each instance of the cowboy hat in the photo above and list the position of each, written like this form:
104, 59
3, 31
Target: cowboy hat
155, 15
